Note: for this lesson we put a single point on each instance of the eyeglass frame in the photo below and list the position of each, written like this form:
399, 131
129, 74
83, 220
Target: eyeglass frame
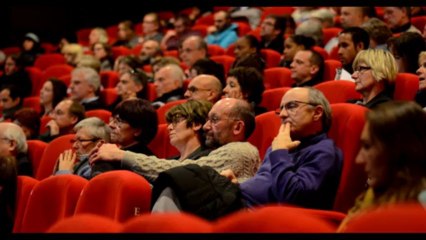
362, 69
116, 120
72, 141
194, 89
292, 109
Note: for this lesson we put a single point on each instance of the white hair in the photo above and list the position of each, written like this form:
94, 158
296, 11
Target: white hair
15, 133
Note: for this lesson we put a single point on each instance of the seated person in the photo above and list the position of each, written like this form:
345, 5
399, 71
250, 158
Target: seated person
14, 144
52, 92
10, 101
29, 120
225, 32
72, 53
150, 52
182, 29
126, 63
204, 87
394, 157
375, 73
168, 83
208, 66
65, 115
247, 53
246, 83
272, 31
88, 132
126, 35
230, 122
185, 126
302, 167
292, 45
421, 72
103, 52
84, 88
406, 49
307, 68
133, 125
15, 74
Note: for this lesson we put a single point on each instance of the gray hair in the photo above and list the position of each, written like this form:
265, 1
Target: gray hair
176, 73
96, 127
316, 97
15, 133
90, 75
311, 28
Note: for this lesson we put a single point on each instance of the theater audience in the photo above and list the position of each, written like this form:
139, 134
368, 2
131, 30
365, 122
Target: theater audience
72, 53
247, 53
398, 19
204, 87
52, 92
103, 52
272, 31
85, 87
126, 36
292, 45
30, 49
406, 49
10, 101
421, 72
168, 83
15, 74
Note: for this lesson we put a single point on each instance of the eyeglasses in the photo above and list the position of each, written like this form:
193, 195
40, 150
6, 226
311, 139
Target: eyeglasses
292, 106
117, 121
175, 119
362, 69
186, 50
215, 119
195, 89
79, 140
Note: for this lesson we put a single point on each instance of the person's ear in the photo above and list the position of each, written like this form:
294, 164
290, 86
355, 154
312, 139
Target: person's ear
196, 127
238, 127
137, 132
16, 101
74, 120
314, 69
360, 46
318, 112
12, 146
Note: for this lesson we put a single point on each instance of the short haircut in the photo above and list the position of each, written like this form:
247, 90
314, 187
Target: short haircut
90, 75
311, 28
280, 22
15, 133
208, 66
89, 61
317, 59
130, 61
243, 111
408, 46
253, 42
103, 35
194, 112
14, 92
359, 35
185, 20
201, 44
95, 127
76, 110
382, 63
28, 118
250, 81
301, 40
139, 114
140, 77
316, 97
128, 24
377, 30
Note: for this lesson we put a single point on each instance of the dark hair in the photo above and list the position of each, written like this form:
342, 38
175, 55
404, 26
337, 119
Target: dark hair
359, 35
8, 183
408, 46
14, 92
185, 19
369, 11
403, 146
280, 22
140, 114
243, 111
252, 60
128, 24
208, 66
77, 110
253, 42
108, 50
30, 119
59, 89
251, 83
130, 61
302, 40
317, 59
140, 77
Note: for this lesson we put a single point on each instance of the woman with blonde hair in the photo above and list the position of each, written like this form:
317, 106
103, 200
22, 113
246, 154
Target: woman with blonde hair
374, 74
72, 53
98, 35
394, 155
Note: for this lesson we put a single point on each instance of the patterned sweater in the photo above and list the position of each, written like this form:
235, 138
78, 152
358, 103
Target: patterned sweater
242, 157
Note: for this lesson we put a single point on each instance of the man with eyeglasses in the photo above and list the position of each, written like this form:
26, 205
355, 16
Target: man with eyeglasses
85, 87
66, 114
192, 49
14, 144
204, 87
272, 31
230, 123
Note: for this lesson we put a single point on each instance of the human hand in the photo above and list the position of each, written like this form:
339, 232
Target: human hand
283, 139
228, 173
53, 126
67, 160
105, 152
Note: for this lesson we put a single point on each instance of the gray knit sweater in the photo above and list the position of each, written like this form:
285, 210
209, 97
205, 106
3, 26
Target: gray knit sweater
242, 157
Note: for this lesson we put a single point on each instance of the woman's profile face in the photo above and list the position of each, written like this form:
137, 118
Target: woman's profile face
233, 89
46, 93
372, 156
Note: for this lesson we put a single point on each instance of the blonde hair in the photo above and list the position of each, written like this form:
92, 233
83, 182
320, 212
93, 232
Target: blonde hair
103, 35
382, 63
422, 55
89, 61
73, 49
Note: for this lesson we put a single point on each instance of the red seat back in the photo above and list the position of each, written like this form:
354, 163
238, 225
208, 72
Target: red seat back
85, 223
330, 67
277, 77
267, 126
35, 152
25, 185
272, 57
32, 102
44, 61
109, 79
102, 114
338, 91
271, 98
160, 145
406, 86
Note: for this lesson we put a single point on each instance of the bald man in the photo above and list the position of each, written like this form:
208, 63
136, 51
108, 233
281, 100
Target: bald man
204, 87
193, 48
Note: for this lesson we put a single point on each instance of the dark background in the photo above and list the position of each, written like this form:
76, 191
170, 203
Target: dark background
51, 21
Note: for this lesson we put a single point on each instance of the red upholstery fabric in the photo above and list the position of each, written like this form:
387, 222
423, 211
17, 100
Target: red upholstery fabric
11, 50
86, 223
51, 155
118, 195
215, 50
398, 218
44, 61
277, 77
334, 53
330, 67
109, 79
272, 219
243, 28
43, 122
329, 33
32, 102
66, 79
56, 71
406, 86
201, 28
120, 51
83, 36
52, 199
167, 223
160, 145
35, 75
338, 91
271, 98
172, 53
161, 111
347, 124
225, 60
205, 20
230, 50
109, 95
104, 115
277, 11
267, 126
272, 58
419, 22
321, 51
24, 187
35, 152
